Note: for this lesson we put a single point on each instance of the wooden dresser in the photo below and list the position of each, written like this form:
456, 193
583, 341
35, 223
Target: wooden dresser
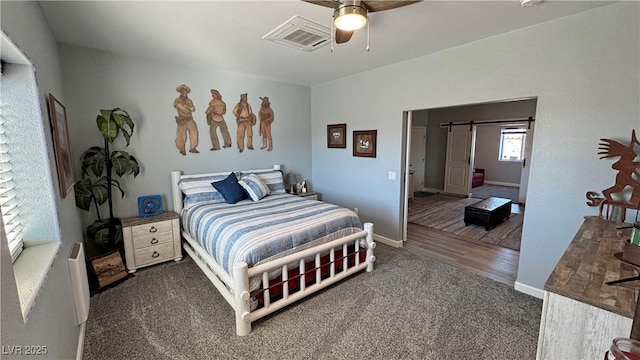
151, 240
581, 315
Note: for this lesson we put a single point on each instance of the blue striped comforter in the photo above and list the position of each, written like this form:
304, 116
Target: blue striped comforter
255, 232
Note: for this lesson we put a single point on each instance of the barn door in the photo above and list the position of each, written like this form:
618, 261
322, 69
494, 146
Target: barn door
457, 177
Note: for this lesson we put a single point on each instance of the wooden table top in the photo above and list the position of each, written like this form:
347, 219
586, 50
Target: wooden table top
589, 262
137, 220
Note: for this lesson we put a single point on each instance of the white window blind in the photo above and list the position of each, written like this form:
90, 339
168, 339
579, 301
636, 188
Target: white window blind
9, 203
512, 144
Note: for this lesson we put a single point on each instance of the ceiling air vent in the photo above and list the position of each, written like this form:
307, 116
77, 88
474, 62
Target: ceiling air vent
301, 34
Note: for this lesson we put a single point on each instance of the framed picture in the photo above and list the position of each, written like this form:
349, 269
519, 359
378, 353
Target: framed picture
364, 143
61, 146
337, 136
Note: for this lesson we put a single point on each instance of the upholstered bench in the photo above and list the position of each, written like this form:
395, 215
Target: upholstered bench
488, 212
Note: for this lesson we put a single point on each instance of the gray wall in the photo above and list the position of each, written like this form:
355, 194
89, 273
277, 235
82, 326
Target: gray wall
52, 321
487, 144
146, 89
486, 156
584, 71
436, 155
435, 152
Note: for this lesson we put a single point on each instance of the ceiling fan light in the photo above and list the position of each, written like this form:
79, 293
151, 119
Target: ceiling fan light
350, 17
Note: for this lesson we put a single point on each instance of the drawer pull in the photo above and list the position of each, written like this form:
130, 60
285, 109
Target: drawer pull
153, 229
154, 241
155, 254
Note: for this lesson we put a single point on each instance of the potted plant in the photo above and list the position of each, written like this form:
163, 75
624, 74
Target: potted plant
99, 164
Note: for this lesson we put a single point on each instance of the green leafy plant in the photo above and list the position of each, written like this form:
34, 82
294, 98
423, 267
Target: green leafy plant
99, 164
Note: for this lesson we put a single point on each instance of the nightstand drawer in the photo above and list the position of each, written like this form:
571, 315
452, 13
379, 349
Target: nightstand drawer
154, 254
152, 234
151, 240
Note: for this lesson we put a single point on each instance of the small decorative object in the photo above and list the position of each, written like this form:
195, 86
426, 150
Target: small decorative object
628, 176
364, 143
624, 349
291, 181
245, 119
185, 122
108, 269
336, 136
149, 205
62, 148
303, 186
214, 113
266, 118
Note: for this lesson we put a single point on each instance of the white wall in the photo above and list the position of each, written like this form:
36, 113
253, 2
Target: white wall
146, 89
52, 321
584, 70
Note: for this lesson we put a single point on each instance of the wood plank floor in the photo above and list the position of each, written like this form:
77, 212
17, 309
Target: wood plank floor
494, 262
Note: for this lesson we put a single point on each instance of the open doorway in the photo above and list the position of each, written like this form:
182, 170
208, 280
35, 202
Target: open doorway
480, 139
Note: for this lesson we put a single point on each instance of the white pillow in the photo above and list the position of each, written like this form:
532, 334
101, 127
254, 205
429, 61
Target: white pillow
198, 189
274, 181
252, 184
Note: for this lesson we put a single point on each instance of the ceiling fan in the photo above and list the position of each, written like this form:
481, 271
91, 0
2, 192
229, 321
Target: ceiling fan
351, 15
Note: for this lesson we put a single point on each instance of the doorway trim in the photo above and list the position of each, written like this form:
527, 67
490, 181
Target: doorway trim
407, 120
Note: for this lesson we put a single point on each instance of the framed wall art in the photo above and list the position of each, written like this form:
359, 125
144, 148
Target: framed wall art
364, 143
337, 136
61, 146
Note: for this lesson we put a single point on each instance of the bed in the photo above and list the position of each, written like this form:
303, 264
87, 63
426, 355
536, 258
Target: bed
271, 249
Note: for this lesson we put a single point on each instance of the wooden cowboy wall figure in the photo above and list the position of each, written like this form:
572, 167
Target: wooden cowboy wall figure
186, 124
266, 118
245, 119
215, 120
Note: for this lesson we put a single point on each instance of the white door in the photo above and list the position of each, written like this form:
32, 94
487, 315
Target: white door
526, 165
416, 157
457, 177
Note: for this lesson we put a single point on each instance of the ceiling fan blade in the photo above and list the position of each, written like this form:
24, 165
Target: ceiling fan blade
381, 5
342, 36
327, 3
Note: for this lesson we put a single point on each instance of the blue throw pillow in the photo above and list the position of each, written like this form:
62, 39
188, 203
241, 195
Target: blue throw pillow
230, 189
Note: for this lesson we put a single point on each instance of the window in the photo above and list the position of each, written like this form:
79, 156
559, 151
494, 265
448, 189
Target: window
25, 180
512, 141
8, 198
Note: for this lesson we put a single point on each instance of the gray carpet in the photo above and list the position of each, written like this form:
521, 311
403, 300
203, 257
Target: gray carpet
410, 307
505, 192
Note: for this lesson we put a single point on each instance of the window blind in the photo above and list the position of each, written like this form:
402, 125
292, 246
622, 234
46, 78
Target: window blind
9, 204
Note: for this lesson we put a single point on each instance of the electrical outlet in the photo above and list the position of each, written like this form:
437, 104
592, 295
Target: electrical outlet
392, 175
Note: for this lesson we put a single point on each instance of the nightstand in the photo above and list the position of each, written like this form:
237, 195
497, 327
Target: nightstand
309, 195
151, 240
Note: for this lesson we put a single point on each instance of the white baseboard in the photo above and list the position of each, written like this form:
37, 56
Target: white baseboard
529, 290
83, 328
387, 241
501, 183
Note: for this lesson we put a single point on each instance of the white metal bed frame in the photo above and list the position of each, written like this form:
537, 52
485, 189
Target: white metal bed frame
235, 289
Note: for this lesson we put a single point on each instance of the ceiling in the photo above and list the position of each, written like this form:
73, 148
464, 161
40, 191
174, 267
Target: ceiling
227, 35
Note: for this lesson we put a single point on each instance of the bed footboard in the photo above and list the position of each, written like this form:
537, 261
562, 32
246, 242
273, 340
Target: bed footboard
242, 273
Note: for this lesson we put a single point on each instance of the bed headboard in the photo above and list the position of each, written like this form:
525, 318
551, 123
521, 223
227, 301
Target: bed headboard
177, 175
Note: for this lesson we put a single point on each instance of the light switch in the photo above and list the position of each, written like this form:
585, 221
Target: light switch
392, 175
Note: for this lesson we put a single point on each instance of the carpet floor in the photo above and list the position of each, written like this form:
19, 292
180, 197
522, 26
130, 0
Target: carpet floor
446, 213
409, 307
487, 191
